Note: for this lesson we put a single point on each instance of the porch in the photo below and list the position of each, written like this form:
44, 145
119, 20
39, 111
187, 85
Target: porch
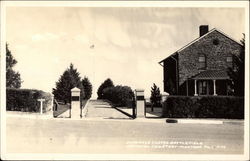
210, 82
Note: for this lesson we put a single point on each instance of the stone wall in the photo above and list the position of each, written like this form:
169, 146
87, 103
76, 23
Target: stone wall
216, 55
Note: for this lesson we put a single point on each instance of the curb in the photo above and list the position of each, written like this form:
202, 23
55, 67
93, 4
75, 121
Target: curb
194, 121
45, 117
200, 121
204, 121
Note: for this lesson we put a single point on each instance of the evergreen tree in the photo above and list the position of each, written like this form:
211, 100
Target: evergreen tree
107, 83
155, 96
237, 73
87, 86
13, 79
70, 79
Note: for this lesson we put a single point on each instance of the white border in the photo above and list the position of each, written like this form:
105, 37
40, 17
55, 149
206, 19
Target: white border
3, 80
193, 4
185, 4
246, 128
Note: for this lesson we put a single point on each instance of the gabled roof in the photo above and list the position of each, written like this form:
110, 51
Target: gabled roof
75, 89
197, 39
212, 75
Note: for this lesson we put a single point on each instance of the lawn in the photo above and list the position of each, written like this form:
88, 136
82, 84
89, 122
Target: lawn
61, 108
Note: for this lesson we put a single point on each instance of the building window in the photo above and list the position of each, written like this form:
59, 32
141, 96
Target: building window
202, 61
203, 87
216, 41
229, 59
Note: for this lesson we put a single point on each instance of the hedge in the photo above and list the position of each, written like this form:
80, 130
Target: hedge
26, 100
227, 107
119, 95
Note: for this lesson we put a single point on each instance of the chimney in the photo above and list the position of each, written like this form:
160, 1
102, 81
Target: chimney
203, 30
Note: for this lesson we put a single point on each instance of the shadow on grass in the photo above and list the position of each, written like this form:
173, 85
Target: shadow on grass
155, 113
125, 113
60, 109
84, 102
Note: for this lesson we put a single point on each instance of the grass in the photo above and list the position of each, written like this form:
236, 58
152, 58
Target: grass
84, 103
60, 109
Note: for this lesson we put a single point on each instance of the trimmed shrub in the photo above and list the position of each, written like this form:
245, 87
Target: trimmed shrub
227, 107
119, 95
148, 104
26, 100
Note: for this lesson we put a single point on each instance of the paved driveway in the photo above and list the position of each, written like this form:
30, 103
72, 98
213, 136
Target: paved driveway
103, 109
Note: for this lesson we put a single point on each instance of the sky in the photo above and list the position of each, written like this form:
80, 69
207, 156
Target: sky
128, 42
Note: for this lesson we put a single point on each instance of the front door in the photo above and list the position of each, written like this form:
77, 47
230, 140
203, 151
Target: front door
204, 87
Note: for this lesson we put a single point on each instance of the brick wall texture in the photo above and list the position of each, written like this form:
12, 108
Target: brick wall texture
216, 55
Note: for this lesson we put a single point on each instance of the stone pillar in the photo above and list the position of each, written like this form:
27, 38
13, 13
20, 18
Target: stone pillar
214, 82
140, 103
41, 105
195, 88
75, 103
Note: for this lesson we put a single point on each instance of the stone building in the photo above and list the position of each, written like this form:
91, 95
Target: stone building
200, 67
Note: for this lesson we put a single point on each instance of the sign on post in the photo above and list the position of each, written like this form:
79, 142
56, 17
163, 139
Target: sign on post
41, 104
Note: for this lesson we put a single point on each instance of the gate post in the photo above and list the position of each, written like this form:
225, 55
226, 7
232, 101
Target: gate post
140, 103
75, 103
134, 107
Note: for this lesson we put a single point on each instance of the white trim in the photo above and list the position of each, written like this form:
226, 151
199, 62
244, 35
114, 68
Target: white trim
195, 88
214, 84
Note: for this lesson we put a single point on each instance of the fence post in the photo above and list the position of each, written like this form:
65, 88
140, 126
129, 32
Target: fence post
134, 107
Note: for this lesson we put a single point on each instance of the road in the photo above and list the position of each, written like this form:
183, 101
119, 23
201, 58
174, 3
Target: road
155, 136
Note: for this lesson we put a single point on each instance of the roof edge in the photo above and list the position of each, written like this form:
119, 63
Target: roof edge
188, 44
229, 37
168, 57
196, 40
214, 29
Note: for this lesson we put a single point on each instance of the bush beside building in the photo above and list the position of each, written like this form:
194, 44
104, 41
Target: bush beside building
26, 100
226, 107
